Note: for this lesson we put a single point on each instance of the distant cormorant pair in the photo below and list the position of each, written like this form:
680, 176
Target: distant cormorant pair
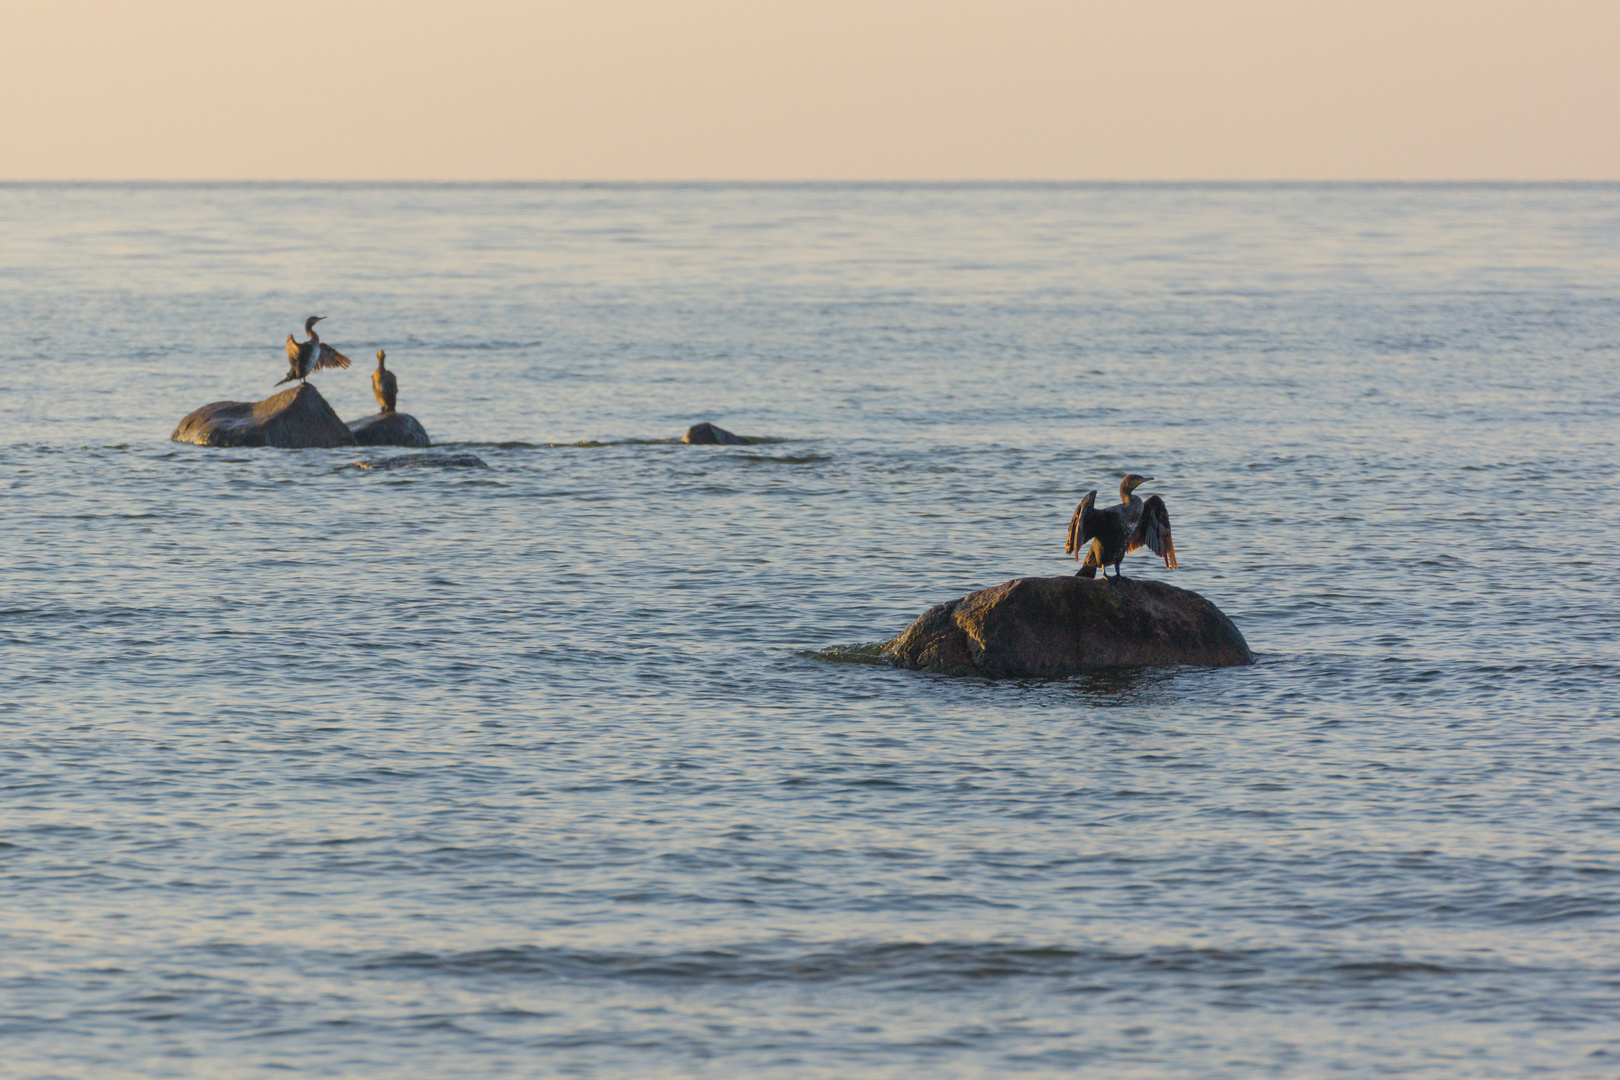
1116, 530
305, 357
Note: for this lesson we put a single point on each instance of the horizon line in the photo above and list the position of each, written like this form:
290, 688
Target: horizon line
830, 181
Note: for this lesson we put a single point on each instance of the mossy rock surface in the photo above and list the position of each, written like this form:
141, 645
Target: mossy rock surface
1051, 628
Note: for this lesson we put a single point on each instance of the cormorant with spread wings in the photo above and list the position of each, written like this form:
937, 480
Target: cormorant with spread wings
312, 355
1115, 530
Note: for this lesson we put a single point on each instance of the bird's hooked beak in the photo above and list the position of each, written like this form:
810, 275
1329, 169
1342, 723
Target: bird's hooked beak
316, 318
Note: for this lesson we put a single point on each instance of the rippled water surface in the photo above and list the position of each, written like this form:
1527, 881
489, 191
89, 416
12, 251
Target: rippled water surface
572, 765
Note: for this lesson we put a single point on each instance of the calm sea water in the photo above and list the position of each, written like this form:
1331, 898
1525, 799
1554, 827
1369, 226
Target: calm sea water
571, 765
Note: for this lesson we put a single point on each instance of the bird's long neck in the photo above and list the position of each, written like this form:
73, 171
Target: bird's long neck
1125, 490
314, 338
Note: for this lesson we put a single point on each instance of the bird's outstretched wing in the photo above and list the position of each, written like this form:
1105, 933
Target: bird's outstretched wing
329, 358
1077, 526
292, 352
1153, 531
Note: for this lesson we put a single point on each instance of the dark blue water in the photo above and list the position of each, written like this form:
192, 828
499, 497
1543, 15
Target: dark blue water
570, 766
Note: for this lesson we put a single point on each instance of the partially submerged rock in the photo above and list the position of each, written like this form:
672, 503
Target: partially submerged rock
295, 419
707, 434
1051, 628
425, 461
389, 429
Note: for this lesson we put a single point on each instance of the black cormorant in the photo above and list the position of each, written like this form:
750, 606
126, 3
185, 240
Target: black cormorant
312, 355
1114, 530
384, 385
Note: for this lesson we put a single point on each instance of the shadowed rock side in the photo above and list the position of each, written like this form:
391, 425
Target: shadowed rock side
389, 429
1051, 628
708, 434
295, 419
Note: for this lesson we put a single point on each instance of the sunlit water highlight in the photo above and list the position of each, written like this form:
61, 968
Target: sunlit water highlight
573, 765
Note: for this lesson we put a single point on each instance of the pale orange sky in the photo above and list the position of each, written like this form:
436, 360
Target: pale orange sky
788, 89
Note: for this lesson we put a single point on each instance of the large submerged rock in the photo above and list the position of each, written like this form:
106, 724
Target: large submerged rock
425, 461
389, 429
707, 434
295, 419
1050, 628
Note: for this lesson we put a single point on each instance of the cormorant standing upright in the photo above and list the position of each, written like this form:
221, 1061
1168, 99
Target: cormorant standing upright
384, 385
312, 355
1115, 530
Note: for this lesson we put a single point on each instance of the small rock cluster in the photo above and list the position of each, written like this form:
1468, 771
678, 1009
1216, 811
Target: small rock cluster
298, 418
